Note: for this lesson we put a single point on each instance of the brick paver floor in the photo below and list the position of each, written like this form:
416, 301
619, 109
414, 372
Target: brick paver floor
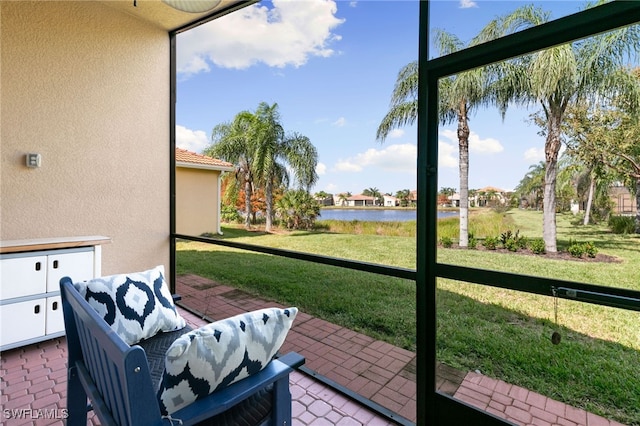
33, 378
33, 387
381, 372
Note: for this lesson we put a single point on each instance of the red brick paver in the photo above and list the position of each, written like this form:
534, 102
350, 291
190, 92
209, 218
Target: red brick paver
521, 406
382, 372
33, 389
33, 378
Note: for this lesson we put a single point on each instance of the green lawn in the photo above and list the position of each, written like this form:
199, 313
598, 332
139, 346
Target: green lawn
504, 334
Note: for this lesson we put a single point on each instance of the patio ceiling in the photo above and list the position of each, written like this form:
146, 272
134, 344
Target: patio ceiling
168, 18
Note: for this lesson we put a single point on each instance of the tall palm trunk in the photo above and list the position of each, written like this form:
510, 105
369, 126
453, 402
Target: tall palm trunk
592, 188
268, 189
463, 147
247, 202
551, 150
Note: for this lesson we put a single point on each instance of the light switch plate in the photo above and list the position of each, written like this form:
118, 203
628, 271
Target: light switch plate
34, 160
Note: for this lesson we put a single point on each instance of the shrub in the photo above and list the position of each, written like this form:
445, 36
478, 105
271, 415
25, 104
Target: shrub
622, 224
230, 214
523, 242
511, 244
446, 242
473, 241
491, 243
576, 249
590, 249
537, 246
506, 236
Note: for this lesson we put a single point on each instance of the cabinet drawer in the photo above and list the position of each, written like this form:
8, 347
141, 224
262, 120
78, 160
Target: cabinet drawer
55, 319
22, 276
79, 266
22, 321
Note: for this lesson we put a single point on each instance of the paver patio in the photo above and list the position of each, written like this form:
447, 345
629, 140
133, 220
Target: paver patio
33, 378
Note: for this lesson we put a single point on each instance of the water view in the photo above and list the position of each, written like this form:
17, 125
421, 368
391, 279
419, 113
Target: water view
375, 215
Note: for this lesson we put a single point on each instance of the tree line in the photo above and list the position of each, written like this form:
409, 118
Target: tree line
588, 99
588, 78
264, 154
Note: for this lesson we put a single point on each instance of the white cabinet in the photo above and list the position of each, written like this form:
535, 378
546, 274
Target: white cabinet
30, 304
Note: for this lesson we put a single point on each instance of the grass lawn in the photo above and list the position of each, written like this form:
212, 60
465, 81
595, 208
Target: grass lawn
504, 334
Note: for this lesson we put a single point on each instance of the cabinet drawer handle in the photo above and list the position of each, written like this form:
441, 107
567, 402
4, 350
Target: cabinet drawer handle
54, 306
55, 264
38, 266
36, 309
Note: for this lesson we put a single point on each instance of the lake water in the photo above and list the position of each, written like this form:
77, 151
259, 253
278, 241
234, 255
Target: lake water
375, 215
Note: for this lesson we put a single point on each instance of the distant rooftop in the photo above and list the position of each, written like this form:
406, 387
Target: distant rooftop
187, 158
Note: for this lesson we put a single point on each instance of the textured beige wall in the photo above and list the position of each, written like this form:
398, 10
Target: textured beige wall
196, 201
87, 87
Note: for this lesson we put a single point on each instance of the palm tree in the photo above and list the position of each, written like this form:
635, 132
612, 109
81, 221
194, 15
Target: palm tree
343, 197
232, 143
531, 186
373, 192
403, 195
458, 96
298, 209
275, 150
257, 143
605, 138
556, 78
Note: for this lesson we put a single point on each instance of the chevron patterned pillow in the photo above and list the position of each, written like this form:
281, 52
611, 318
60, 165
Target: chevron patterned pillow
136, 306
218, 354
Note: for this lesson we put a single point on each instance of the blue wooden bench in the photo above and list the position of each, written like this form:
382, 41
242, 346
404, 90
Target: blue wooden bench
122, 387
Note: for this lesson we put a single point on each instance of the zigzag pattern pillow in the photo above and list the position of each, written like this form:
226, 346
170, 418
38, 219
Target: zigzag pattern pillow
218, 354
137, 306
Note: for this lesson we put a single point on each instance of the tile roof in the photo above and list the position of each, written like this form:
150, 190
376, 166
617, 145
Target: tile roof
184, 156
491, 188
359, 197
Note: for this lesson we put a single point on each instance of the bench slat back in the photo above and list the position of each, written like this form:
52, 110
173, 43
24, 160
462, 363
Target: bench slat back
119, 372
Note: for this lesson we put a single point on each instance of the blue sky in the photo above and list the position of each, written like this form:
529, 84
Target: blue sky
331, 67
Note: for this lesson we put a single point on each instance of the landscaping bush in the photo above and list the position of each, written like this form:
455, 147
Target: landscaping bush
590, 249
511, 244
622, 224
491, 243
513, 241
473, 241
576, 249
537, 246
446, 242
230, 214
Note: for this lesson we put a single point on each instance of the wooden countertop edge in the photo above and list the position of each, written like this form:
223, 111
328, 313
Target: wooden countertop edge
15, 246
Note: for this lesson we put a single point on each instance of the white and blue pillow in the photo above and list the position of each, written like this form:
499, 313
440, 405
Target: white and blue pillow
136, 306
218, 354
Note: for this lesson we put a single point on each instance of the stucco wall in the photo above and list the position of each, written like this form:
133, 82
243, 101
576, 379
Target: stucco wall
87, 87
196, 201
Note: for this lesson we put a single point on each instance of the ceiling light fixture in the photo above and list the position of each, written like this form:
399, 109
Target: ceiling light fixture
192, 6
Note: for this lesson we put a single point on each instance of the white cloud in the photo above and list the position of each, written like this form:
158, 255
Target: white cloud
476, 144
534, 154
288, 34
466, 4
488, 145
340, 122
191, 140
347, 166
353, 3
321, 169
396, 133
397, 158
447, 155
330, 188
